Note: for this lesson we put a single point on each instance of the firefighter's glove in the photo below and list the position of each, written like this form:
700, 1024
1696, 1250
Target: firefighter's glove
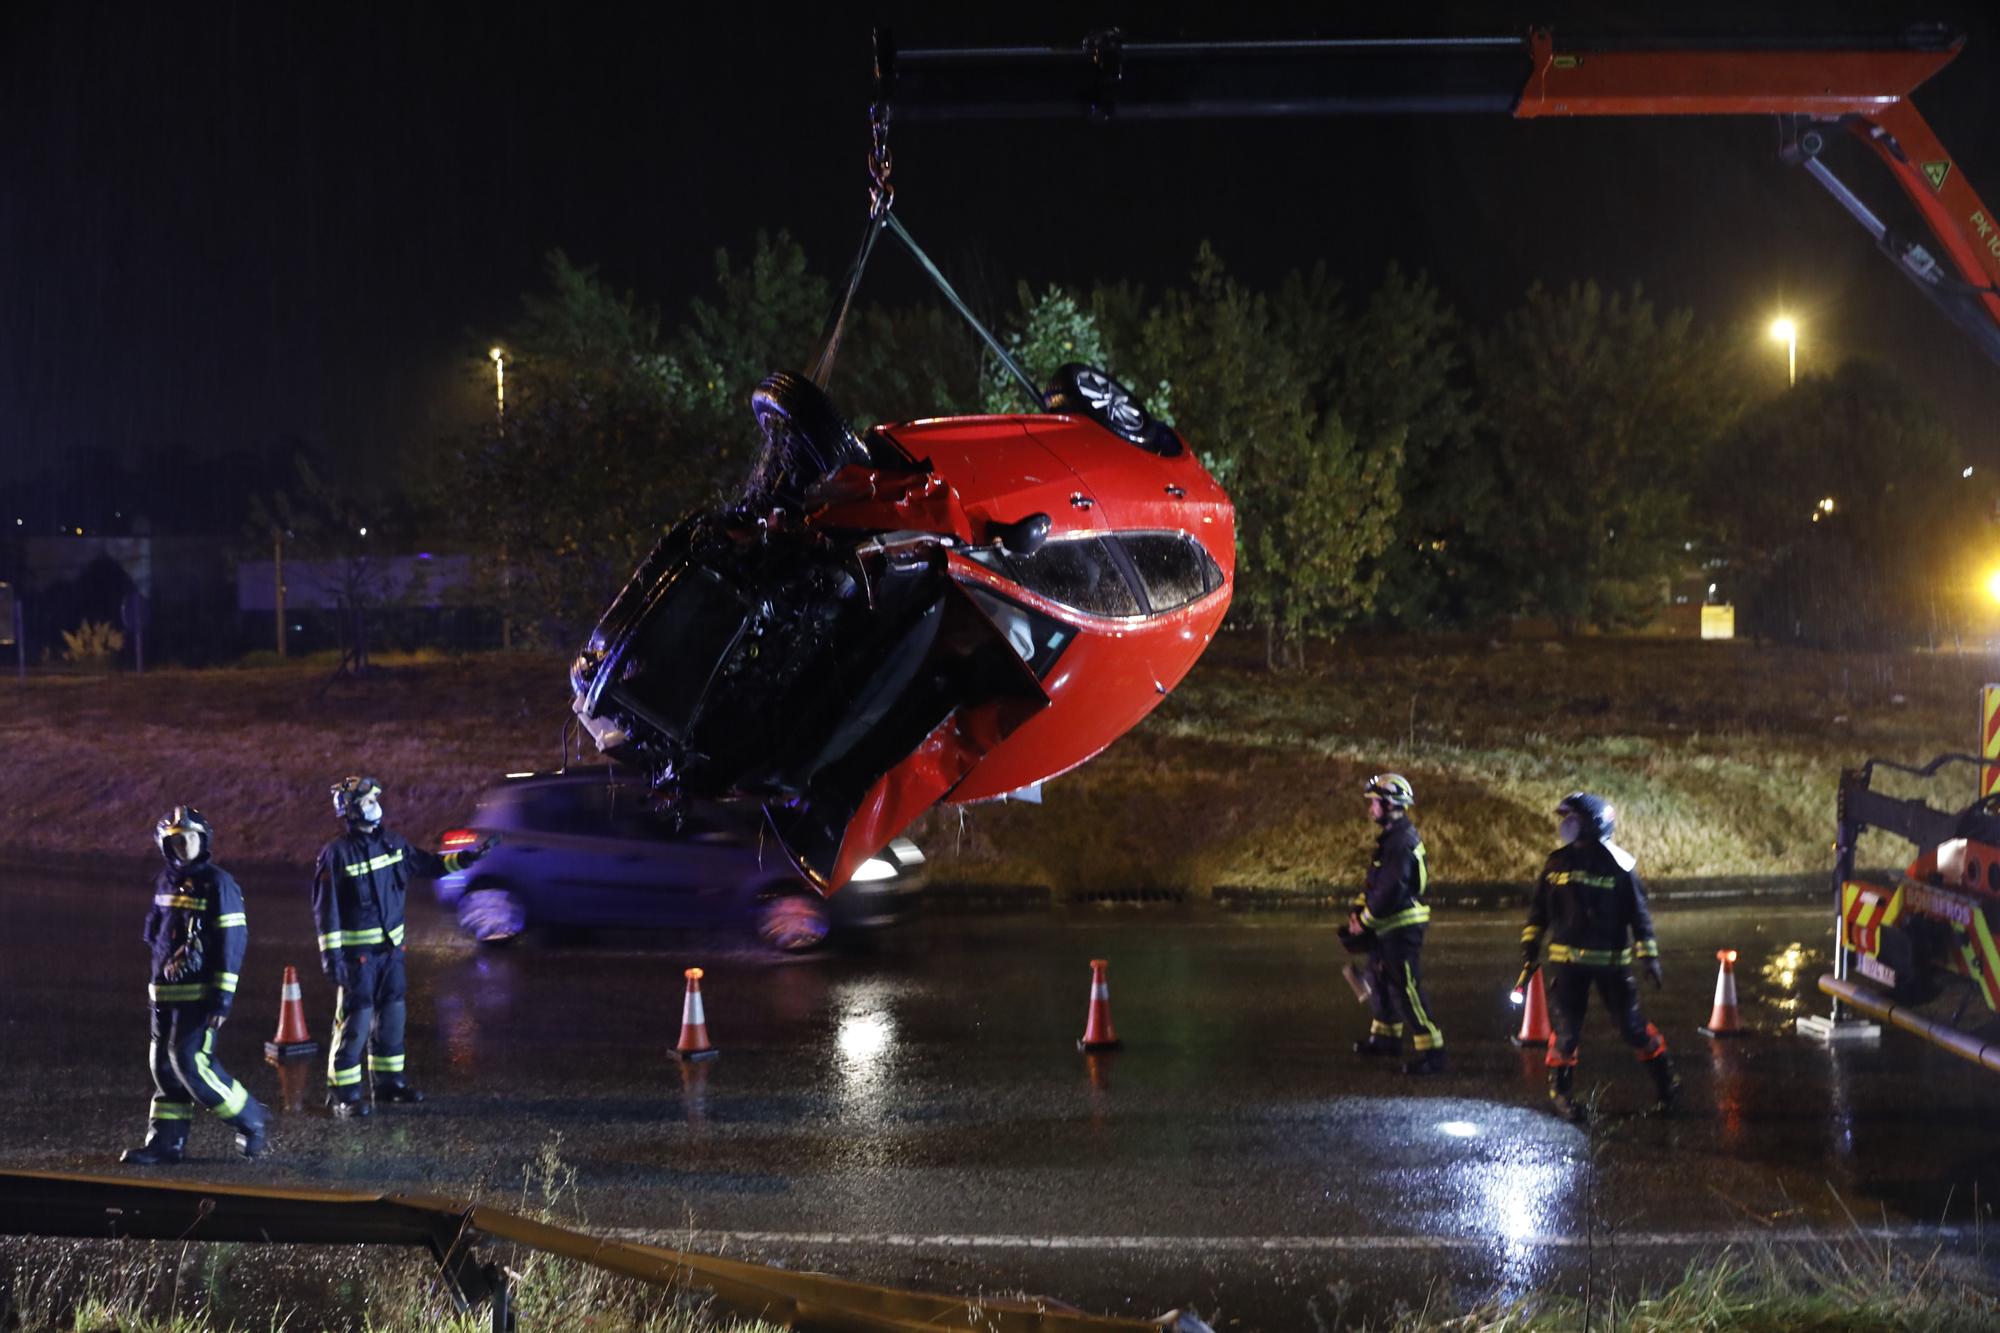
1655, 973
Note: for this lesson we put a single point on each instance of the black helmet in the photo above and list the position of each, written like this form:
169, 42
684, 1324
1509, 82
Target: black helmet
349, 792
1393, 788
183, 819
1595, 814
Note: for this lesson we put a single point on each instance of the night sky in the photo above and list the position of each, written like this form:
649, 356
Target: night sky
224, 228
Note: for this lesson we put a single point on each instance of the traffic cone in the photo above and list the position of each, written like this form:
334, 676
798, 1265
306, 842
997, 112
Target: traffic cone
1534, 1015
293, 1041
1098, 1034
694, 1023
1723, 1020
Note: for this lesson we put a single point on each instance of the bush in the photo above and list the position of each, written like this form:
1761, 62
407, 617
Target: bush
92, 645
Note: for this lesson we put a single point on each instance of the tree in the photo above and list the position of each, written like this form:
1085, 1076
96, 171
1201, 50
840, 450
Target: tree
1841, 511
1313, 506
328, 522
1396, 372
764, 316
1600, 413
1055, 330
591, 460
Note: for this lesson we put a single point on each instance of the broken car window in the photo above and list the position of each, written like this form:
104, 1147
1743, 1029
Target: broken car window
1076, 572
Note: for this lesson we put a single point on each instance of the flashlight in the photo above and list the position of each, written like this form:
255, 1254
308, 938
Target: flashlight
1519, 995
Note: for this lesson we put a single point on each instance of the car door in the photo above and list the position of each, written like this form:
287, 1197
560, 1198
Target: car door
671, 868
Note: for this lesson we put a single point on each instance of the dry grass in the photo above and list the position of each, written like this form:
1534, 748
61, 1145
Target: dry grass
1722, 758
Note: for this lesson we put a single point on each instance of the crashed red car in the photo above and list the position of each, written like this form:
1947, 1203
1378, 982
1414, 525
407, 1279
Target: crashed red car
949, 609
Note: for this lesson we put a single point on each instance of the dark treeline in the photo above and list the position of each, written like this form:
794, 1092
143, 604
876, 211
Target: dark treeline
1587, 459
1581, 460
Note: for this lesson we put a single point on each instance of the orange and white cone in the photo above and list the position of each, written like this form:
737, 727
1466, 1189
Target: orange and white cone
1534, 1014
1098, 1034
293, 1041
694, 1023
1723, 1020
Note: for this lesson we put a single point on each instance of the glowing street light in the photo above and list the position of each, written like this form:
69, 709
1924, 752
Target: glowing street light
1786, 332
1993, 585
499, 383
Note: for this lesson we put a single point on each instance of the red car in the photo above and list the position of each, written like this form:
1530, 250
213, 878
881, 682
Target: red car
949, 609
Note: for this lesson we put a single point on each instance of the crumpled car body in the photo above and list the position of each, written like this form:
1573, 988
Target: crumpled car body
950, 610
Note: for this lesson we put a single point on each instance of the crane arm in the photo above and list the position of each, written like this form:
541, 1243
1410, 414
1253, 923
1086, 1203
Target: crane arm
1861, 86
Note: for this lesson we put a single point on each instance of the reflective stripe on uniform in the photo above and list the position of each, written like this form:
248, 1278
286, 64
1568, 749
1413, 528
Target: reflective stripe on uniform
1646, 949
349, 939
233, 1094
1586, 881
166, 1110
226, 981
180, 900
176, 992
1409, 916
344, 1078
228, 919
382, 862
395, 934
1432, 1036
386, 1064
1564, 953
1378, 1028
1529, 934
454, 861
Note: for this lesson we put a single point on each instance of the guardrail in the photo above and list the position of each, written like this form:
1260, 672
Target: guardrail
45, 1203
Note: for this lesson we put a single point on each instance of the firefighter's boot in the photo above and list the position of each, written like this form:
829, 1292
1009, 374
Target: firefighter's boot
397, 1092
1666, 1084
1561, 1080
250, 1123
1427, 1062
348, 1108
158, 1150
1378, 1044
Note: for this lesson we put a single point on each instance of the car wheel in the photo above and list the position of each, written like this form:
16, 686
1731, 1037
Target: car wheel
792, 922
1088, 391
805, 438
491, 914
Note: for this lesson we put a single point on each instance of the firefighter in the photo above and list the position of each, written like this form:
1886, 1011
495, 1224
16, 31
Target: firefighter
196, 930
1390, 920
1590, 904
357, 896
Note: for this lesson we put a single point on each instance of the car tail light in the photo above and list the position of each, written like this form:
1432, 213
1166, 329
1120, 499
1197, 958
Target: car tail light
457, 840
874, 868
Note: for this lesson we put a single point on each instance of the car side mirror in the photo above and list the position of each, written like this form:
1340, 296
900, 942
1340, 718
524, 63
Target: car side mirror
1024, 537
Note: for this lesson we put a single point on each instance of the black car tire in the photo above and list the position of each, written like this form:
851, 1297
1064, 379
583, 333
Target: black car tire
492, 914
806, 439
792, 921
1089, 392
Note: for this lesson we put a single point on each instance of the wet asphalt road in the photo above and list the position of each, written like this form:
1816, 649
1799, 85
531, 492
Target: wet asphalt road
918, 1114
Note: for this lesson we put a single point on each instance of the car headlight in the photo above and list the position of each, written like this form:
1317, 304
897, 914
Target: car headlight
872, 869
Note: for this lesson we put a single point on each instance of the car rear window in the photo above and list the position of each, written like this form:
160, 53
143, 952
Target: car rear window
1173, 567
1076, 571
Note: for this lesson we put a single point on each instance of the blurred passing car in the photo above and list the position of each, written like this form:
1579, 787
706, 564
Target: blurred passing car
594, 848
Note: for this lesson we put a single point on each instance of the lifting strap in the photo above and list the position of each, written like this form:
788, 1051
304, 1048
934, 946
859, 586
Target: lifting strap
881, 202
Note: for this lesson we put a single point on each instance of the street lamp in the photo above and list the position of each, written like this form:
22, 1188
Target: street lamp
499, 383
1786, 332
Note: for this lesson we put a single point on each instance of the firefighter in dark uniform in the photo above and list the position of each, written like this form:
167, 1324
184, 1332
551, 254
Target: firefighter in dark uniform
1590, 910
1390, 921
196, 930
357, 895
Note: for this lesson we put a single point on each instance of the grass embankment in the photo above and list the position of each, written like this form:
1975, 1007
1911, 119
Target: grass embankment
106, 1287
1722, 758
